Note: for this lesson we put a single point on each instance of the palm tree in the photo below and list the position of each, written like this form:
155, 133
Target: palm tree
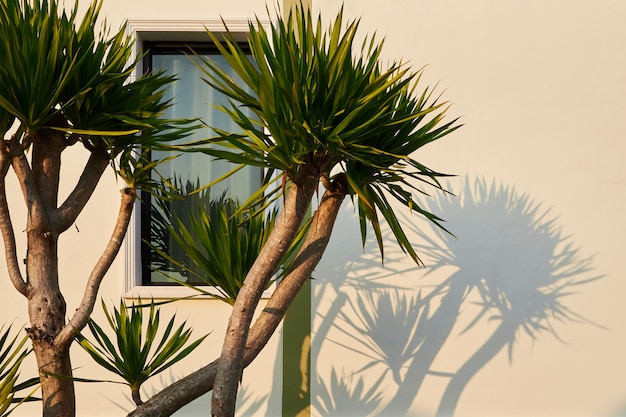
136, 357
64, 85
324, 110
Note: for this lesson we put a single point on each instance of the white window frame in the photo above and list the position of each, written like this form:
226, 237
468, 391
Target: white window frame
166, 30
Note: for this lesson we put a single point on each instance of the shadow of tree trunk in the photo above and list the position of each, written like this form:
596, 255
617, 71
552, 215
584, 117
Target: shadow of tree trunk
437, 330
503, 335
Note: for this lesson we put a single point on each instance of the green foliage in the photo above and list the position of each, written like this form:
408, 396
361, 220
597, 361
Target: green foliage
61, 72
12, 354
174, 202
6, 120
36, 61
319, 98
207, 240
136, 356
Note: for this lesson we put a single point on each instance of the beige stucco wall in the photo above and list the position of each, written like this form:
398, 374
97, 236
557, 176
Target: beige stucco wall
539, 87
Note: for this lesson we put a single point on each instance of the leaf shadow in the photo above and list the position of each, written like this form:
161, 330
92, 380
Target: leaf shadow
510, 262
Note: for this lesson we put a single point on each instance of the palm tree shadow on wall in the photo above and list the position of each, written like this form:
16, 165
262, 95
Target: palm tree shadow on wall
509, 256
341, 393
346, 395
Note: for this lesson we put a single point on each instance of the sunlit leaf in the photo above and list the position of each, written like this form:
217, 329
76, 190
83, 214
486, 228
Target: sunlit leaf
12, 354
318, 97
133, 355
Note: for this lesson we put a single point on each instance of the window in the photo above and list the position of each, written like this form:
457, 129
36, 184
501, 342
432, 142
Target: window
168, 50
191, 97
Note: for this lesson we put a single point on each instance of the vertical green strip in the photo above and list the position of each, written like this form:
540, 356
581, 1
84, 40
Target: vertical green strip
296, 399
296, 395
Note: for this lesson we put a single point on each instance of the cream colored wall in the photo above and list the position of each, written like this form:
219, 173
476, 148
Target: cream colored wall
539, 87
117, 11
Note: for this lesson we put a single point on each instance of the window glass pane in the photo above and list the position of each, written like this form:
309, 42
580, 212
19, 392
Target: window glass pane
191, 98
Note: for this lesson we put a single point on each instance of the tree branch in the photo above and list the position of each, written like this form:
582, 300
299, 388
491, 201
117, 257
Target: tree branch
24, 174
6, 227
45, 161
231, 360
81, 316
67, 213
307, 260
191, 387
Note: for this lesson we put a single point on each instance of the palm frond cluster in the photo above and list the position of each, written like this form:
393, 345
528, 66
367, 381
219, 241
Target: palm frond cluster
59, 72
197, 239
320, 100
141, 348
12, 355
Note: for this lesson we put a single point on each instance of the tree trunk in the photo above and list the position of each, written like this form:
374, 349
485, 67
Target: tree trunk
47, 310
57, 393
6, 226
46, 305
289, 221
191, 387
39, 180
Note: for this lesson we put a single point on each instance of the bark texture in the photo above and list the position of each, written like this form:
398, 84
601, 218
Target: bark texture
187, 389
289, 221
46, 305
39, 181
57, 394
6, 225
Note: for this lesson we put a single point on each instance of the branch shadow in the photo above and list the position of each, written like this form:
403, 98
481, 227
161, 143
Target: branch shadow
510, 259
